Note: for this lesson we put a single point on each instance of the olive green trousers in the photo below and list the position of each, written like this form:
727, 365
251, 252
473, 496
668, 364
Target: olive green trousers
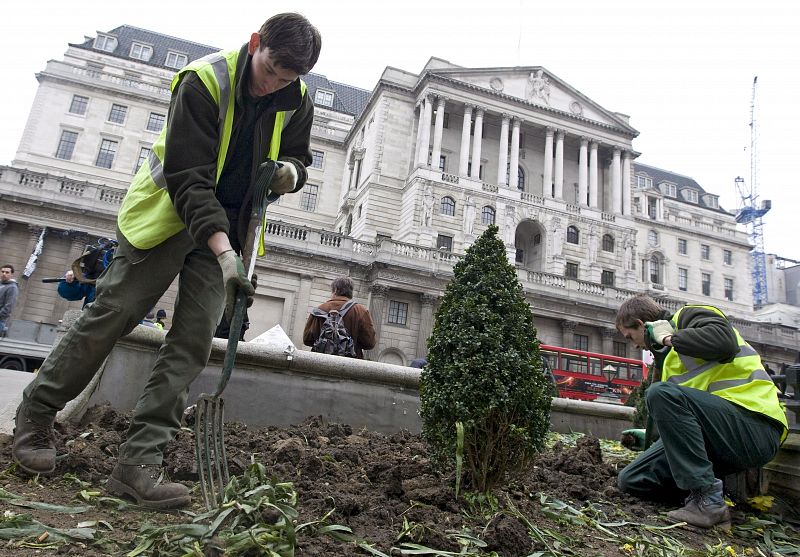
131, 286
703, 437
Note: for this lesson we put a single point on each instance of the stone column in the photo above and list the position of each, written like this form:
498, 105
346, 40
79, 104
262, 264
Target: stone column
559, 170
502, 160
437, 133
476, 145
583, 171
463, 159
425, 136
303, 300
377, 308
608, 335
421, 107
428, 302
3, 225
513, 176
568, 333
593, 172
626, 183
616, 183
22, 282
547, 182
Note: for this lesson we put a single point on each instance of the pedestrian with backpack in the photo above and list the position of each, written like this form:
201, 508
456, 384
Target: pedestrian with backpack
340, 326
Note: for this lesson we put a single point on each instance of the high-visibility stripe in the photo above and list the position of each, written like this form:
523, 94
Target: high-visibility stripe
757, 375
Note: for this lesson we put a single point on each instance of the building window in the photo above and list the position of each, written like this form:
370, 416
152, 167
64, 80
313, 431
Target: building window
706, 280
323, 97
573, 235
398, 312
487, 215
691, 196
79, 104
571, 270
317, 158
727, 257
442, 162
446, 120
705, 252
655, 270
175, 60
155, 122
652, 238
519, 256
469, 170
106, 43
652, 207
643, 182
444, 242
144, 152
580, 342
141, 52
729, 289
448, 207
683, 279
607, 278
520, 179
620, 349
682, 246
670, 190
360, 211
608, 243
117, 114
66, 145
537, 239
308, 202
105, 156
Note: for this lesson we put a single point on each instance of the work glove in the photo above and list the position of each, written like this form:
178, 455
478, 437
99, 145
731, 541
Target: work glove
633, 439
285, 178
656, 331
234, 279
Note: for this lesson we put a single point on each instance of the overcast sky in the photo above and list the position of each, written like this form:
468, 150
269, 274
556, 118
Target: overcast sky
683, 70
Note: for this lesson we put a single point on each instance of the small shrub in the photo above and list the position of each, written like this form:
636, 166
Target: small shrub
484, 371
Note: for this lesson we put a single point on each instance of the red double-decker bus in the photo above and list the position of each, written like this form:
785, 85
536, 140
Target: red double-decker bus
579, 374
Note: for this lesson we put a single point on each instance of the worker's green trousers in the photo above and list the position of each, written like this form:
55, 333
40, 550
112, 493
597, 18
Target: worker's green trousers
703, 437
129, 288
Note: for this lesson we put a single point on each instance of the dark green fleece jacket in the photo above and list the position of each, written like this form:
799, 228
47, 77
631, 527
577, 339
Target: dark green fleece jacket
701, 333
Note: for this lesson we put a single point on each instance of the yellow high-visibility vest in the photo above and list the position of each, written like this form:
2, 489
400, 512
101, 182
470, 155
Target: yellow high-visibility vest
742, 381
147, 216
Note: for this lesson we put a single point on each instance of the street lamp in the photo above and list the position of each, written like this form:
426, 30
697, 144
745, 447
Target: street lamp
611, 373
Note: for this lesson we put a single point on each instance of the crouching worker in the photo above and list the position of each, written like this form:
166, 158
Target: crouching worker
715, 408
183, 215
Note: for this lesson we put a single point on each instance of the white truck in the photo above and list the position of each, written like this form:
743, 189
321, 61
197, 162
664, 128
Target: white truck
26, 345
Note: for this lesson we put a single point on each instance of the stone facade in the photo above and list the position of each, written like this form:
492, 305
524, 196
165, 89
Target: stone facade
405, 178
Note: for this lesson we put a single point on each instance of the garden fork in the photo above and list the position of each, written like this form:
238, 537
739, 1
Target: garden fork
209, 436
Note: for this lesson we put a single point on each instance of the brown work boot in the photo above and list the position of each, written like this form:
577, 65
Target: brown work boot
704, 508
143, 482
34, 448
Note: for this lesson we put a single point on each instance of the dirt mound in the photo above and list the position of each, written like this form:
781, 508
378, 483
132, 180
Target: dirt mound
382, 487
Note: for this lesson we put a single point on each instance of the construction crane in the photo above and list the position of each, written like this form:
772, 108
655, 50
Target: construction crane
751, 212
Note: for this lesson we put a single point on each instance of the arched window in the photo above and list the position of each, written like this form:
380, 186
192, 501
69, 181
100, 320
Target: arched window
520, 179
448, 206
573, 236
608, 243
487, 215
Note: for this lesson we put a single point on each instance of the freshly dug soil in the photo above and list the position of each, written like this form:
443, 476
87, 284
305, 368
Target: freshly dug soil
380, 486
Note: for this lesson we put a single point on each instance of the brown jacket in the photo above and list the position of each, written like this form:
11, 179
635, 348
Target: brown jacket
357, 321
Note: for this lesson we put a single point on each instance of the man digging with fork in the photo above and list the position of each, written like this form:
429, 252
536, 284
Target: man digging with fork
184, 215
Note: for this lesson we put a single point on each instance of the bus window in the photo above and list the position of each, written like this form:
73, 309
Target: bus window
595, 366
577, 364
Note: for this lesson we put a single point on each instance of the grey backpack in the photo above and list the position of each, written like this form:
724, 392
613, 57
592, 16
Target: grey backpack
333, 336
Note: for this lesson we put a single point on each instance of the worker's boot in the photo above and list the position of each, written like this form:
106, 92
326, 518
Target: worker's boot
705, 507
34, 448
145, 483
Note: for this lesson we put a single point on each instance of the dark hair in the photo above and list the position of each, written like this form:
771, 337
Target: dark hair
342, 286
640, 307
161, 314
293, 42
8, 267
